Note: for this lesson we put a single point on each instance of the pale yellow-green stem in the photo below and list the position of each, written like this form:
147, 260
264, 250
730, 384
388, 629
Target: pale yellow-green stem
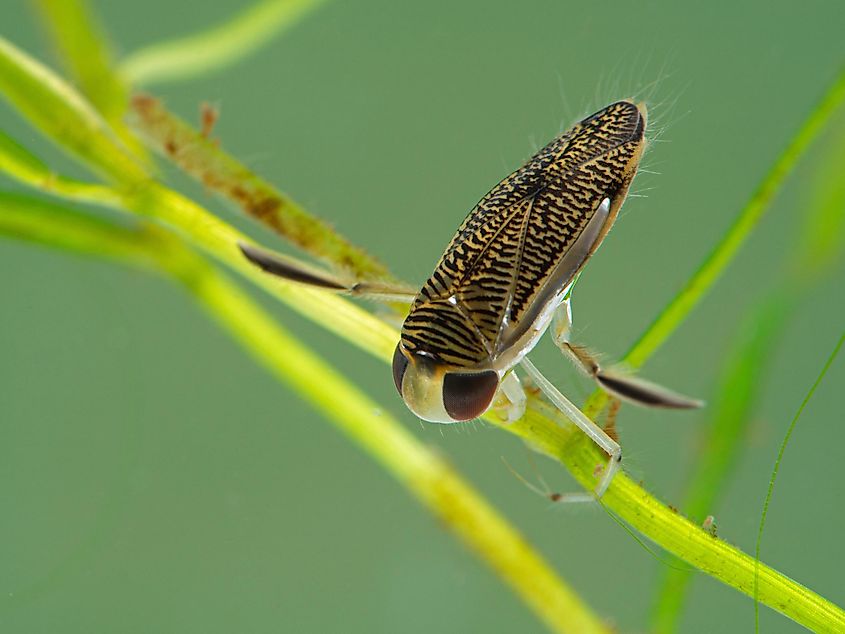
17, 161
83, 50
732, 409
424, 473
215, 48
62, 113
673, 532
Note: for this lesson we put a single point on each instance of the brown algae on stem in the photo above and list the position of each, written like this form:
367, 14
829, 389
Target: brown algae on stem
201, 158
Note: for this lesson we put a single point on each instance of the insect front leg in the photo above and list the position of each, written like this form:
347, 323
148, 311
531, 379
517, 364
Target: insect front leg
512, 397
596, 433
629, 388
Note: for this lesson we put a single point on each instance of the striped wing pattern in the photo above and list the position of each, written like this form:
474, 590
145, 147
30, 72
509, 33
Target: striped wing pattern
482, 291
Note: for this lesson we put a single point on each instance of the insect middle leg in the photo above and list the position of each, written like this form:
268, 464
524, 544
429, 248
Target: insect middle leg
581, 357
596, 433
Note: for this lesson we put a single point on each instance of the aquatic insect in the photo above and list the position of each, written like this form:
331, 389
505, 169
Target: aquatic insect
507, 276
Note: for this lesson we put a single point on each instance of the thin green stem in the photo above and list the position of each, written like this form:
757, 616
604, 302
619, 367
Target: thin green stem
736, 397
81, 46
817, 253
216, 48
24, 166
723, 254
547, 431
425, 474
64, 116
823, 241
775, 470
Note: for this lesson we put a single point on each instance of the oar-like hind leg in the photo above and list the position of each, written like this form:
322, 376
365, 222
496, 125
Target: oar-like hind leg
627, 387
294, 270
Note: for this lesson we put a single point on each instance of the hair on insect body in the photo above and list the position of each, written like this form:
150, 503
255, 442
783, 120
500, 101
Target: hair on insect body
507, 277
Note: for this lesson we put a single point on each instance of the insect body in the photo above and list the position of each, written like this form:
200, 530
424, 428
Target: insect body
511, 263
507, 275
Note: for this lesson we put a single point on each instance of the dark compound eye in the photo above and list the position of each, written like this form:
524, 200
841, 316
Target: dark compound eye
400, 364
468, 395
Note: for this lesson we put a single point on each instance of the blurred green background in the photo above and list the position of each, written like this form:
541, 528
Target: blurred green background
153, 478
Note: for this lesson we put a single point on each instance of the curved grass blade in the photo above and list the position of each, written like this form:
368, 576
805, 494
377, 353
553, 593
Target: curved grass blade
775, 470
216, 48
82, 47
722, 255
24, 166
724, 252
819, 250
737, 394
64, 116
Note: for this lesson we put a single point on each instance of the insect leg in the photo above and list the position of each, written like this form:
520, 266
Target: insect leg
514, 395
596, 433
293, 270
627, 387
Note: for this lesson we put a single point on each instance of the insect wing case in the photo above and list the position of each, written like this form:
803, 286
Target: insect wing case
513, 254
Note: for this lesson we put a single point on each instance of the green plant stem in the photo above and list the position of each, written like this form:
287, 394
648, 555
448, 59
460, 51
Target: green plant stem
82, 47
775, 470
20, 163
543, 427
732, 413
345, 319
549, 432
63, 115
216, 48
429, 477
724, 252
66, 118
202, 159
816, 254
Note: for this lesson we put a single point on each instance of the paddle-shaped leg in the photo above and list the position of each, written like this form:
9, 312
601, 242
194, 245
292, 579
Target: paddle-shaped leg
294, 270
629, 388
